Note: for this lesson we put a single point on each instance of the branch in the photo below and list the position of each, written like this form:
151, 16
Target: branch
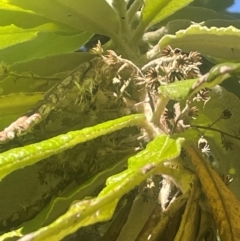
214, 129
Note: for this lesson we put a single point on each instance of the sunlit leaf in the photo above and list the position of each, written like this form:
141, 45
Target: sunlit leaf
24, 156
187, 88
219, 44
24, 18
83, 213
156, 10
79, 14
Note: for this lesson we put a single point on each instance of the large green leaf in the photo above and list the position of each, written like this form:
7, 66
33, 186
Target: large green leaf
22, 18
61, 65
83, 213
220, 44
24, 156
155, 11
60, 205
80, 14
196, 14
46, 44
208, 113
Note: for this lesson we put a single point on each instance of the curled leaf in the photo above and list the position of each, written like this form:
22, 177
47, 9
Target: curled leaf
224, 205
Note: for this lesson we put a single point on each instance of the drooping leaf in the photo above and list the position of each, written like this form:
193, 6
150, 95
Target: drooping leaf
83, 213
79, 14
219, 44
24, 156
224, 205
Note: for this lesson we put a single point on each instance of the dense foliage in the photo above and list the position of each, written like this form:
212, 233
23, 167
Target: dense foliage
144, 116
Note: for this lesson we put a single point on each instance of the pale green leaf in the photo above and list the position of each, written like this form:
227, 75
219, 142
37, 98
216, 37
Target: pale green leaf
155, 11
22, 18
92, 16
11, 34
220, 44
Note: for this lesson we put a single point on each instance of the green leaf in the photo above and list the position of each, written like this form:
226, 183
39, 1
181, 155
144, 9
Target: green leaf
225, 161
25, 83
184, 89
18, 103
215, 76
220, 44
155, 11
222, 23
177, 90
25, 19
79, 14
197, 15
24, 156
61, 64
60, 205
47, 43
83, 213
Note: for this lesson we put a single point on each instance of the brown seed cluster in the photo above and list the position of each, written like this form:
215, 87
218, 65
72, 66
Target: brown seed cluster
173, 65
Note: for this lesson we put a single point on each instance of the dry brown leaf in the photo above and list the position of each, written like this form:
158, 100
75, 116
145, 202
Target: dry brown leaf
224, 205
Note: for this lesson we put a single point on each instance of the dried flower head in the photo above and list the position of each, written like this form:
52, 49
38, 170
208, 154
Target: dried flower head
169, 114
97, 49
195, 57
112, 58
202, 95
192, 72
227, 179
182, 61
177, 51
152, 79
193, 112
175, 75
228, 145
151, 74
167, 51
